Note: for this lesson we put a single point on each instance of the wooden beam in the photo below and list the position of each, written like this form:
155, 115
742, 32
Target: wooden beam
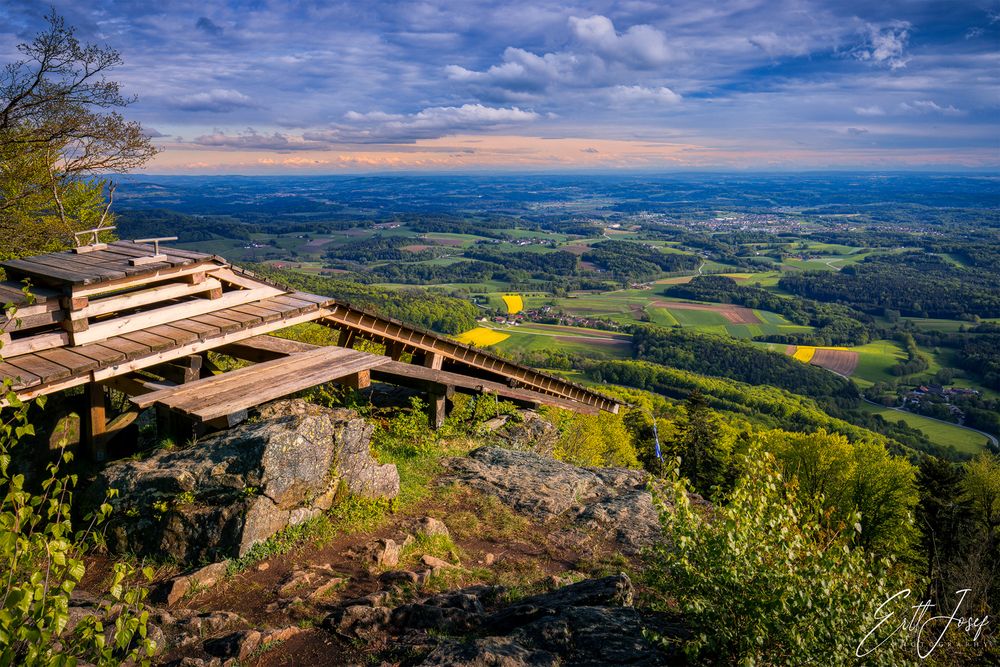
96, 421
433, 360
134, 281
180, 371
437, 410
167, 314
360, 380
119, 302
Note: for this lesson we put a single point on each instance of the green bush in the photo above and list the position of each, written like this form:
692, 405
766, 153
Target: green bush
42, 562
761, 579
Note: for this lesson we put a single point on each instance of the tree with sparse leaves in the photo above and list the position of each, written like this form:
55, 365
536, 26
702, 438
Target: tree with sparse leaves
60, 136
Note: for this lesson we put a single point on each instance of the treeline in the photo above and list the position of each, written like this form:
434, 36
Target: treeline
627, 260
738, 360
378, 248
835, 324
915, 362
767, 406
540, 265
150, 223
916, 284
425, 309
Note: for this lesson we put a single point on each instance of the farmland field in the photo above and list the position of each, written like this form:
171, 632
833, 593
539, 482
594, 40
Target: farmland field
482, 337
941, 433
514, 303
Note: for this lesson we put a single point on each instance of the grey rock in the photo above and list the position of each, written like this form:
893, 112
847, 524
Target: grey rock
611, 501
528, 432
587, 624
430, 526
234, 489
489, 652
357, 621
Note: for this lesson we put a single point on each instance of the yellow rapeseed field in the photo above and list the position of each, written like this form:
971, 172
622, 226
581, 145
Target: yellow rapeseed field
514, 303
482, 336
805, 353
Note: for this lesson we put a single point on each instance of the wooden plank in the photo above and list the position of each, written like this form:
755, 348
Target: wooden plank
200, 329
47, 371
42, 272
293, 302
271, 383
402, 373
136, 281
101, 354
89, 269
130, 348
154, 342
265, 348
23, 322
201, 346
178, 335
232, 277
116, 303
265, 314
327, 355
121, 325
76, 363
237, 398
223, 324
20, 378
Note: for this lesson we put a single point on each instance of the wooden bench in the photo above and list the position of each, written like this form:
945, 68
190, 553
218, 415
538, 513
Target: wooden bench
231, 393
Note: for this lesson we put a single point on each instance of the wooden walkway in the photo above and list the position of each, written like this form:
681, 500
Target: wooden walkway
116, 315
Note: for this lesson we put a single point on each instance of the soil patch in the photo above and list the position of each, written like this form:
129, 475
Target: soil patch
842, 362
734, 314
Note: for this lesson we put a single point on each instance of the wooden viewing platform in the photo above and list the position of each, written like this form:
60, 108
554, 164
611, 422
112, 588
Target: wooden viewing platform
121, 316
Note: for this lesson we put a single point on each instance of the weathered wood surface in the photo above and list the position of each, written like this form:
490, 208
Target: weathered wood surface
107, 264
265, 348
225, 394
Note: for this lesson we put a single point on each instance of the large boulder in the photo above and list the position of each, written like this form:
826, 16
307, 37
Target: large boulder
611, 501
232, 490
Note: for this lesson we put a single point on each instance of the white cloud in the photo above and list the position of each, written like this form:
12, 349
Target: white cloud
217, 100
775, 45
886, 45
253, 140
928, 106
430, 123
873, 110
639, 94
640, 45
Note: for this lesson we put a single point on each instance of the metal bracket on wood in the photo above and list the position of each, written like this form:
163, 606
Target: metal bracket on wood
157, 256
94, 243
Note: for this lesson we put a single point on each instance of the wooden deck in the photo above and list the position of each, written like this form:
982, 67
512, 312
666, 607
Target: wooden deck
222, 395
99, 316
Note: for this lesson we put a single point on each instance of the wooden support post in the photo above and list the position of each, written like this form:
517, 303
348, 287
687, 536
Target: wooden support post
96, 421
433, 360
394, 349
437, 409
181, 371
359, 380
346, 338
177, 427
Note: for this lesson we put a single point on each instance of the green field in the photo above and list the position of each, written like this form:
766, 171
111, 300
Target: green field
589, 342
874, 361
940, 433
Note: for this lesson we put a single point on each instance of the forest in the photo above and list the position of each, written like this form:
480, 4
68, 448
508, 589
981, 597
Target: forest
916, 284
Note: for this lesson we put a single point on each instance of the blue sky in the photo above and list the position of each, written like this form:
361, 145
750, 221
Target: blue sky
273, 87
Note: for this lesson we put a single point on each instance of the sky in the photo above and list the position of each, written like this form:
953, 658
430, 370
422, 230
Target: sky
278, 87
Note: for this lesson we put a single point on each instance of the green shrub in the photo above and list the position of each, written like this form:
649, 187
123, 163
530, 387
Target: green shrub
42, 562
762, 580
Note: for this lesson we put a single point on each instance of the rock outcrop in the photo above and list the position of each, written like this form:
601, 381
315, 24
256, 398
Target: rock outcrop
587, 623
229, 491
610, 501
